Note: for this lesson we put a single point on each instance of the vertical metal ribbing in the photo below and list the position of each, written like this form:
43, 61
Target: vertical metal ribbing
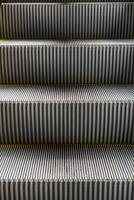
63, 172
67, 123
69, 21
51, 64
113, 190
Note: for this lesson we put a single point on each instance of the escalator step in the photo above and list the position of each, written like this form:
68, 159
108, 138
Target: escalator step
66, 172
67, 114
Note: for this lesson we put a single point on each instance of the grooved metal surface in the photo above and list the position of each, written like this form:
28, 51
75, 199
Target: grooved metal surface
53, 62
94, 190
56, 128
78, 93
67, 21
66, 163
68, 172
75, 114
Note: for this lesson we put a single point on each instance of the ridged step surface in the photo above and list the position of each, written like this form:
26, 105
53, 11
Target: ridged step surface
73, 114
66, 172
67, 21
88, 62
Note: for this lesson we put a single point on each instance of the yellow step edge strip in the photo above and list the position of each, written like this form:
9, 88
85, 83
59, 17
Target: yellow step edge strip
2, 41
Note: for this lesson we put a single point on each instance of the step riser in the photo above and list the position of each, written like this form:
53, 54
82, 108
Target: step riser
67, 123
103, 190
67, 63
67, 21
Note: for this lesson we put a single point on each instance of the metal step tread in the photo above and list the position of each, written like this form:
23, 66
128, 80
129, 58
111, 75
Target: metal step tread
64, 43
66, 163
69, 94
67, 21
66, 172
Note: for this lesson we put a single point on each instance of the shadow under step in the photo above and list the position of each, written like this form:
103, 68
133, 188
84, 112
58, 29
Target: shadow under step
67, 114
87, 20
67, 62
61, 1
66, 172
